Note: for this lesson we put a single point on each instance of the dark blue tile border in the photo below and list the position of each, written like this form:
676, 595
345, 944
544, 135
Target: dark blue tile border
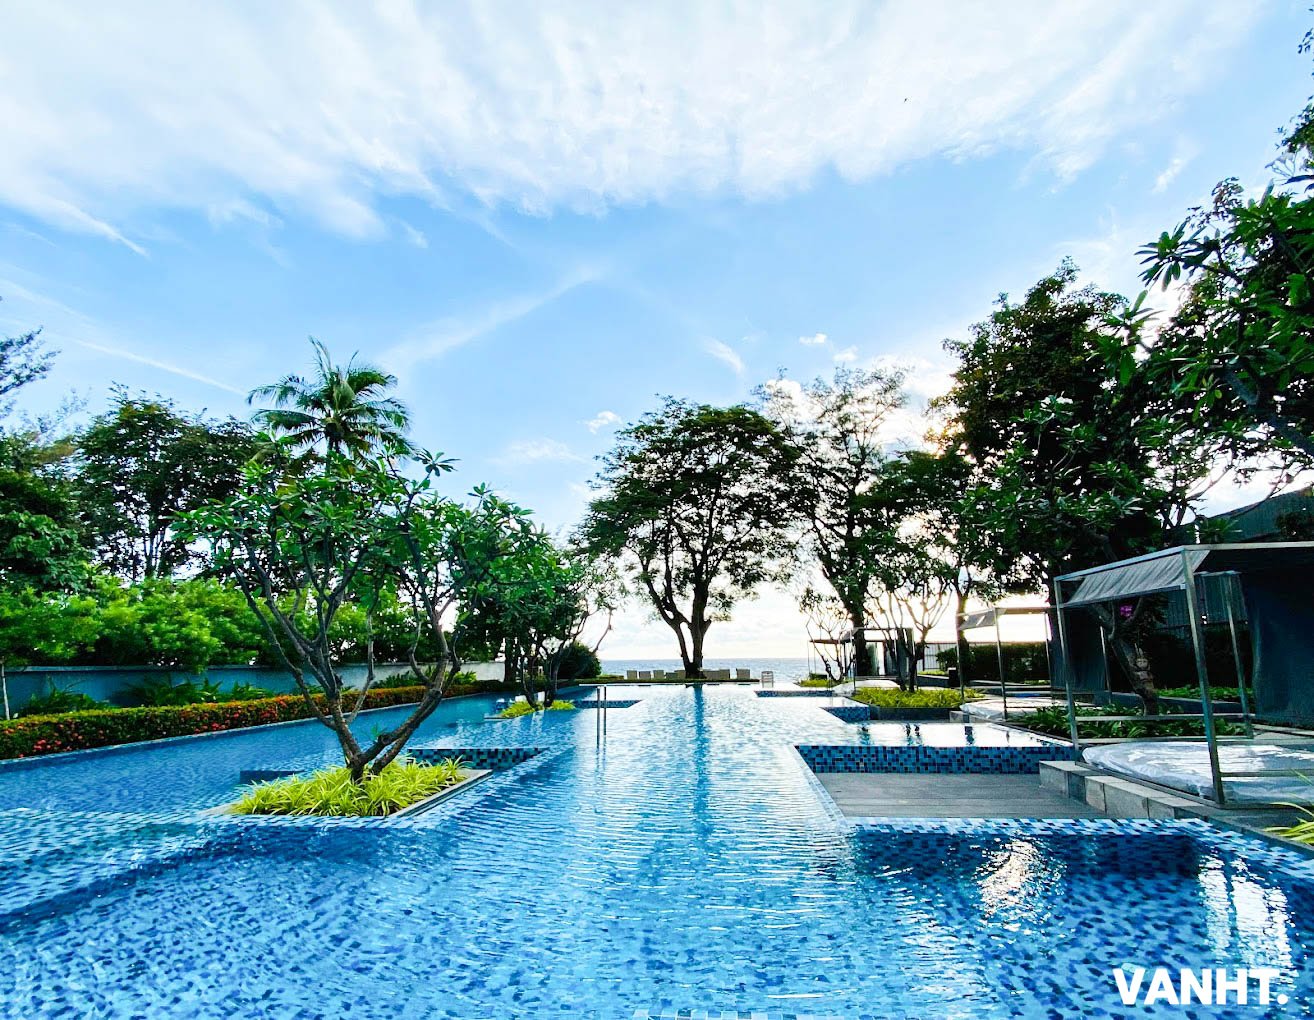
495, 758
920, 758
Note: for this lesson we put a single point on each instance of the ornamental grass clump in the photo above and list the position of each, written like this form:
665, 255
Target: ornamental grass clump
332, 792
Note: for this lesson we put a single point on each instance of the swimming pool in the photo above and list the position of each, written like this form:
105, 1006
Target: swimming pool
690, 862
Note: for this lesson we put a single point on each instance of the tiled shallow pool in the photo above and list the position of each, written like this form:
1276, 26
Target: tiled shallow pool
691, 862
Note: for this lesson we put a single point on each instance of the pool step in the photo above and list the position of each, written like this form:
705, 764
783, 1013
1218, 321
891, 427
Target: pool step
1115, 796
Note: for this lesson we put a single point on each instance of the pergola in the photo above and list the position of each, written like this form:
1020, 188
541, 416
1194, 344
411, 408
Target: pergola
1266, 582
990, 618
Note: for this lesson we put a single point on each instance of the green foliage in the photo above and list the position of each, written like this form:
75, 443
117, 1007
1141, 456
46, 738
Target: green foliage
522, 708
1193, 691
579, 662
928, 697
40, 536
464, 679
75, 731
23, 359
1078, 456
1301, 831
139, 466
56, 699
333, 792
835, 431
1053, 721
693, 503
339, 410
819, 681
157, 691
1023, 661
185, 625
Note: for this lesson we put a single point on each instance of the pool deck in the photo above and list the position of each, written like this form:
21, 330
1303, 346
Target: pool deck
913, 795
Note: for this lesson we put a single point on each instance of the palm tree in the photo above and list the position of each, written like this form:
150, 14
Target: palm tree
342, 407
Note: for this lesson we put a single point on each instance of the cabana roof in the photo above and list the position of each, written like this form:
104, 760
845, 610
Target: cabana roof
1168, 569
989, 617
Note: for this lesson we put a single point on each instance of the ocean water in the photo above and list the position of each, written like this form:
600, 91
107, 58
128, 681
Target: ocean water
785, 669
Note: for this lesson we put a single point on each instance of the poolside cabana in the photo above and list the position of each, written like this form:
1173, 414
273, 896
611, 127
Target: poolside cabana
990, 619
1266, 585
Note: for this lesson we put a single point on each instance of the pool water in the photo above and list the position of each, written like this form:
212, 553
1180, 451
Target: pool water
689, 861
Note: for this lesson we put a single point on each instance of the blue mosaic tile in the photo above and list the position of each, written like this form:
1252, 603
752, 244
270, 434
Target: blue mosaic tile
495, 758
920, 758
850, 713
818, 693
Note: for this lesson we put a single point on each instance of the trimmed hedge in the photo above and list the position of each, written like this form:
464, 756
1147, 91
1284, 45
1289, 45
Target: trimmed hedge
76, 731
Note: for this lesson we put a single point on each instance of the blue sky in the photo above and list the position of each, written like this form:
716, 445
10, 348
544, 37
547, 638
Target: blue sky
542, 221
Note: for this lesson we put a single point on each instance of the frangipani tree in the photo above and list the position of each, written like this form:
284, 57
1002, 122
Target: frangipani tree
538, 604
303, 547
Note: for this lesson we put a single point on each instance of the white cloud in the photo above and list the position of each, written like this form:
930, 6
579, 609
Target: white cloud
416, 237
1182, 158
535, 451
601, 420
724, 352
164, 366
846, 356
816, 339
115, 111
435, 339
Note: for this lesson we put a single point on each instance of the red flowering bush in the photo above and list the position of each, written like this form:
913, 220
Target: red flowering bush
74, 731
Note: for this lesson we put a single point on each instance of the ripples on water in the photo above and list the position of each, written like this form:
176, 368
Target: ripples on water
688, 862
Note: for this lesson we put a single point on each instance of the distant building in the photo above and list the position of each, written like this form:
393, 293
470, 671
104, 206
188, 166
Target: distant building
1287, 516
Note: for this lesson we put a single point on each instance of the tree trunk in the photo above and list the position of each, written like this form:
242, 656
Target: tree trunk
960, 638
694, 664
862, 664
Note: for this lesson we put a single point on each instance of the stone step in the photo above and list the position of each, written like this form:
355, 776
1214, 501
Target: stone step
1115, 796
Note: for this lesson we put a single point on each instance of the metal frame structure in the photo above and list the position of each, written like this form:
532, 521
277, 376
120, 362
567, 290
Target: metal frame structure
986, 618
1158, 574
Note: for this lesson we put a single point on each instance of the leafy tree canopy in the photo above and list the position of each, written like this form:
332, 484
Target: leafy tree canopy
693, 501
141, 465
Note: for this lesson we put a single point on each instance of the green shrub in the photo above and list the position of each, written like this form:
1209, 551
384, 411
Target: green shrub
331, 792
579, 662
819, 681
59, 699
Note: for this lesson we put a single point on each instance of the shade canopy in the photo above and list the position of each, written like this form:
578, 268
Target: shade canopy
1168, 569
989, 617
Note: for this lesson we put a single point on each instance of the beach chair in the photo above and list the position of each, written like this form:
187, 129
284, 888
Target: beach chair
768, 678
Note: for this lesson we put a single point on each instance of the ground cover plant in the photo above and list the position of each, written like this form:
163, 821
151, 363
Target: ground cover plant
929, 697
819, 681
333, 792
518, 708
1193, 691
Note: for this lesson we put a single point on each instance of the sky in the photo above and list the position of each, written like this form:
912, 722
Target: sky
541, 217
